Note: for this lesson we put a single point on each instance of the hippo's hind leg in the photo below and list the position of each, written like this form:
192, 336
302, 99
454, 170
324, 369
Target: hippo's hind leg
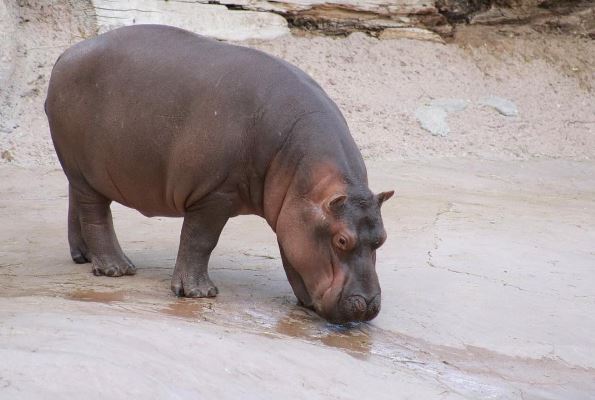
78, 247
94, 237
200, 234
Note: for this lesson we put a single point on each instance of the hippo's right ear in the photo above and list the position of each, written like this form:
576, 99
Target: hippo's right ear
384, 196
334, 203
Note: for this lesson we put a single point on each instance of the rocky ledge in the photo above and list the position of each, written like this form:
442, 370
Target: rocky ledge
418, 19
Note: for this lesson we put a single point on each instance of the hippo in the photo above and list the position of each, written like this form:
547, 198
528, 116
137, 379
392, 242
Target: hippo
174, 124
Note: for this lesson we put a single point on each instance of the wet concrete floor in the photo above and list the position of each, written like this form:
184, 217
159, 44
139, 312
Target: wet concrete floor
487, 280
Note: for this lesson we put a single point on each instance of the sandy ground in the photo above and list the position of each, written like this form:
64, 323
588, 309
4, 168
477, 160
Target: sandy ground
487, 293
487, 275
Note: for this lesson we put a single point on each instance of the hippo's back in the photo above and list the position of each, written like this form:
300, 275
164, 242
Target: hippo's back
156, 117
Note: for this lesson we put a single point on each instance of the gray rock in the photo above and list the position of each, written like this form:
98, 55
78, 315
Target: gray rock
332, 17
450, 105
500, 104
213, 20
433, 119
410, 33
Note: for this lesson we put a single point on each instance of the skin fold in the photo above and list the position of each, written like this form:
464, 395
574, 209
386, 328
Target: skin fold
174, 124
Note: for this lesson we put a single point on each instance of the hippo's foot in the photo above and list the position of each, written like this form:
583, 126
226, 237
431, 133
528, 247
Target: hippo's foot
79, 256
193, 287
112, 266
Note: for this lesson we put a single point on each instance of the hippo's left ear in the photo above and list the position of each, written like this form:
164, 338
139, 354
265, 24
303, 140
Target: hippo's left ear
334, 203
384, 196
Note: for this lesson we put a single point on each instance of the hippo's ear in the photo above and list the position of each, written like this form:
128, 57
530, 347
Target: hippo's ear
384, 196
334, 203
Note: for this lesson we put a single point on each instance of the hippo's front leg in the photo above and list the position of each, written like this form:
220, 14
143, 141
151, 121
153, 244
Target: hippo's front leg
200, 233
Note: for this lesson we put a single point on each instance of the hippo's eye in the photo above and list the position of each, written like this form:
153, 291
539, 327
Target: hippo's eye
342, 242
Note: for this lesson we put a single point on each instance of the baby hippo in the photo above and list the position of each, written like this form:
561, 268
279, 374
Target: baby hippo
174, 124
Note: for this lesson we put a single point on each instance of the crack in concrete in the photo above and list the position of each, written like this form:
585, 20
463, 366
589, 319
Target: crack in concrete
437, 239
10, 265
436, 243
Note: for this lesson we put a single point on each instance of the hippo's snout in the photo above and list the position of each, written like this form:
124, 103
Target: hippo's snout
356, 308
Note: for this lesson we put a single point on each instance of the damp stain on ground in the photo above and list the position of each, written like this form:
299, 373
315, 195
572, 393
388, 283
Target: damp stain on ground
97, 296
188, 308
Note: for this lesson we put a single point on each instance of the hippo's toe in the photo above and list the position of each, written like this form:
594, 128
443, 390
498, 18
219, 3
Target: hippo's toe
203, 287
113, 268
203, 292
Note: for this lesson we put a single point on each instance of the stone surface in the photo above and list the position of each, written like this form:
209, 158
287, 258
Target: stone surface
486, 285
206, 19
338, 17
576, 17
432, 117
450, 105
410, 33
379, 7
433, 120
341, 17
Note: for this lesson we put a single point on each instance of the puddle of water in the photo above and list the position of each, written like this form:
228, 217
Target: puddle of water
96, 297
468, 370
186, 308
351, 339
357, 346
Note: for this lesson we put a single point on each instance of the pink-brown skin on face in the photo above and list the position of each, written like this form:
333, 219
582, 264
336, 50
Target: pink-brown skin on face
341, 228
174, 124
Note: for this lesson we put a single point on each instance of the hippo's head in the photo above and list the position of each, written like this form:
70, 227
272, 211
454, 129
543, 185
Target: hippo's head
328, 247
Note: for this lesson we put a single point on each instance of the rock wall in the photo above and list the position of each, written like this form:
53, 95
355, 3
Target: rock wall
339, 17
566, 16
260, 19
213, 20
244, 19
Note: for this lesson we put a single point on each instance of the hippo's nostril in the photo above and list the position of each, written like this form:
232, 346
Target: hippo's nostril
356, 308
358, 304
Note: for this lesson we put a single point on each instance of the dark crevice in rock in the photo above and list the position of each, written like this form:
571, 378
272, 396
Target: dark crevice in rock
575, 17
459, 11
565, 6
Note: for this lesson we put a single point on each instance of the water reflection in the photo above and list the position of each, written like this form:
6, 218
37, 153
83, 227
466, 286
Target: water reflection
188, 308
353, 338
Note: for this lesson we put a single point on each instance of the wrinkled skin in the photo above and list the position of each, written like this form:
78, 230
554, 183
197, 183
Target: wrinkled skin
173, 124
341, 227
337, 276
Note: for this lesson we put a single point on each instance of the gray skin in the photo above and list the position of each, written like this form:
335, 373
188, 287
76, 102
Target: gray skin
174, 124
